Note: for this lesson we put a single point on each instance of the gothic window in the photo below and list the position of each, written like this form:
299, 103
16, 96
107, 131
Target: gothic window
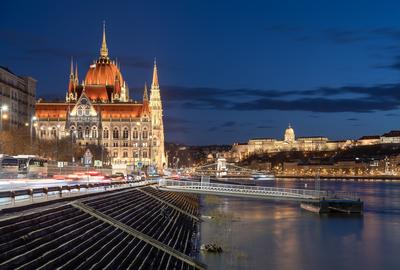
125, 144
42, 133
115, 154
94, 132
53, 132
125, 134
135, 154
105, 133
135, 134
135, 144
144, 144
115, 133
125, 154
87, 132
80, 111
144, 154
87, 111
72, 130
105, 144
115, 144
80, 133
145, 134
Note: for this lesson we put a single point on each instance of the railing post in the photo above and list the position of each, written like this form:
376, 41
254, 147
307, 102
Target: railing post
60, 191
12, 193
30, 193
46, 193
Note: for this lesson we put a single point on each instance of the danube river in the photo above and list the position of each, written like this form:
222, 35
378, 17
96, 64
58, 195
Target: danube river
258, 234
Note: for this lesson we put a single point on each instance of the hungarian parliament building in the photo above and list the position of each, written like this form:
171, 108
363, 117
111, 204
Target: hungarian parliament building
99, 111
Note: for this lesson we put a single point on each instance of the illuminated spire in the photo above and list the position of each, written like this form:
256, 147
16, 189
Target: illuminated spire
145, 97
155, 75
76, 71
104, 50
71, 74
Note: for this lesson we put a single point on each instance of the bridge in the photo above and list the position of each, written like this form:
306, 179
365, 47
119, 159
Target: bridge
222, 169
259, 192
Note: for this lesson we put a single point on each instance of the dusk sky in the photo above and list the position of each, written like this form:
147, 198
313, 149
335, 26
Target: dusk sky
228, 70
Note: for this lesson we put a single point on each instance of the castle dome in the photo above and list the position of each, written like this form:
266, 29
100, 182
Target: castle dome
289, 134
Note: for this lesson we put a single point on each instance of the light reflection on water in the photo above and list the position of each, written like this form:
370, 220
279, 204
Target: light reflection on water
258, 234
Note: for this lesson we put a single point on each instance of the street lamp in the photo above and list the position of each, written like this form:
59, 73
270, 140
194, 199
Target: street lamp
33, 119
3, 108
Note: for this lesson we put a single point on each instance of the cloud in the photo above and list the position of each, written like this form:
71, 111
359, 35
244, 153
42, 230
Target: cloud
176, 125
358, 99
228, 124
265, 127
336, 35
394, 65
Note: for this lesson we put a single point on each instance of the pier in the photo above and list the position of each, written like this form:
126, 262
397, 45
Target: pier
319, 201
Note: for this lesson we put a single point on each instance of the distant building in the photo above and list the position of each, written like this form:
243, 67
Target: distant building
17, 99
369, 140
289, 143
99, 111
240, 151
391, 137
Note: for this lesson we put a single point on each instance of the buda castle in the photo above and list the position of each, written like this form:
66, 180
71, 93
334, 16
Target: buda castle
99, 111
240, 151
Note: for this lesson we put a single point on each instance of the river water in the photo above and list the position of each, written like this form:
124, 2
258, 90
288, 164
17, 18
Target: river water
257, 234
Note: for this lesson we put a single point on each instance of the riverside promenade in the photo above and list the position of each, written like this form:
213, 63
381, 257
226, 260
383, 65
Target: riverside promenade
130, 228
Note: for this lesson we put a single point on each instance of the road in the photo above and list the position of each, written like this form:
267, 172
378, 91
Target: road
14, 184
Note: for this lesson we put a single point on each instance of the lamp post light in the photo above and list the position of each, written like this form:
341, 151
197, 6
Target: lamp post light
33, 119
3, 108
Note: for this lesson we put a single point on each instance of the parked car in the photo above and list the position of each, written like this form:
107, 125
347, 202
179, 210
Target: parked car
118, 176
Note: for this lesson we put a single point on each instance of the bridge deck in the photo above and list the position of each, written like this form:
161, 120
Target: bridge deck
272, 193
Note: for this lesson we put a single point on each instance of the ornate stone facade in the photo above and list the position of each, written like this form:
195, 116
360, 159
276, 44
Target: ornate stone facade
99, 111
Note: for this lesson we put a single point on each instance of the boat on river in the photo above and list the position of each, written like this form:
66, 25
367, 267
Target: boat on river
260, 176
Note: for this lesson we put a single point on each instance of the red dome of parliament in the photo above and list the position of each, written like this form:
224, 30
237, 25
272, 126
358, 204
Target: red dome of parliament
104, 72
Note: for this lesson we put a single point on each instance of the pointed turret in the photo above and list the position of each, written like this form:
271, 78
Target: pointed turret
71, 74
76, 74
104, 50
145, 96
71, 83
154, 84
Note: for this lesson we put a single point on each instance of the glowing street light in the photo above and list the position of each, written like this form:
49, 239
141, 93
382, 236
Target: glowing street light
33, 124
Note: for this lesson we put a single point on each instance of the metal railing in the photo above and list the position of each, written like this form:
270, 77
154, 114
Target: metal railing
245, 189
14, 197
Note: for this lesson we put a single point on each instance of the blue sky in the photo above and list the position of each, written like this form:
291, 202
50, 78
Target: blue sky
229, 70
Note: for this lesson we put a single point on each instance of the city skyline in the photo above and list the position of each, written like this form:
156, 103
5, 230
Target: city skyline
224, 75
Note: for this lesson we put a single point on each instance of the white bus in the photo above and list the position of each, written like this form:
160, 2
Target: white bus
22, 166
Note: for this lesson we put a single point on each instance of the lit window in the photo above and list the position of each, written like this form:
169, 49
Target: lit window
135, 134
105, 134
125, 134
53, 132
115, 133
